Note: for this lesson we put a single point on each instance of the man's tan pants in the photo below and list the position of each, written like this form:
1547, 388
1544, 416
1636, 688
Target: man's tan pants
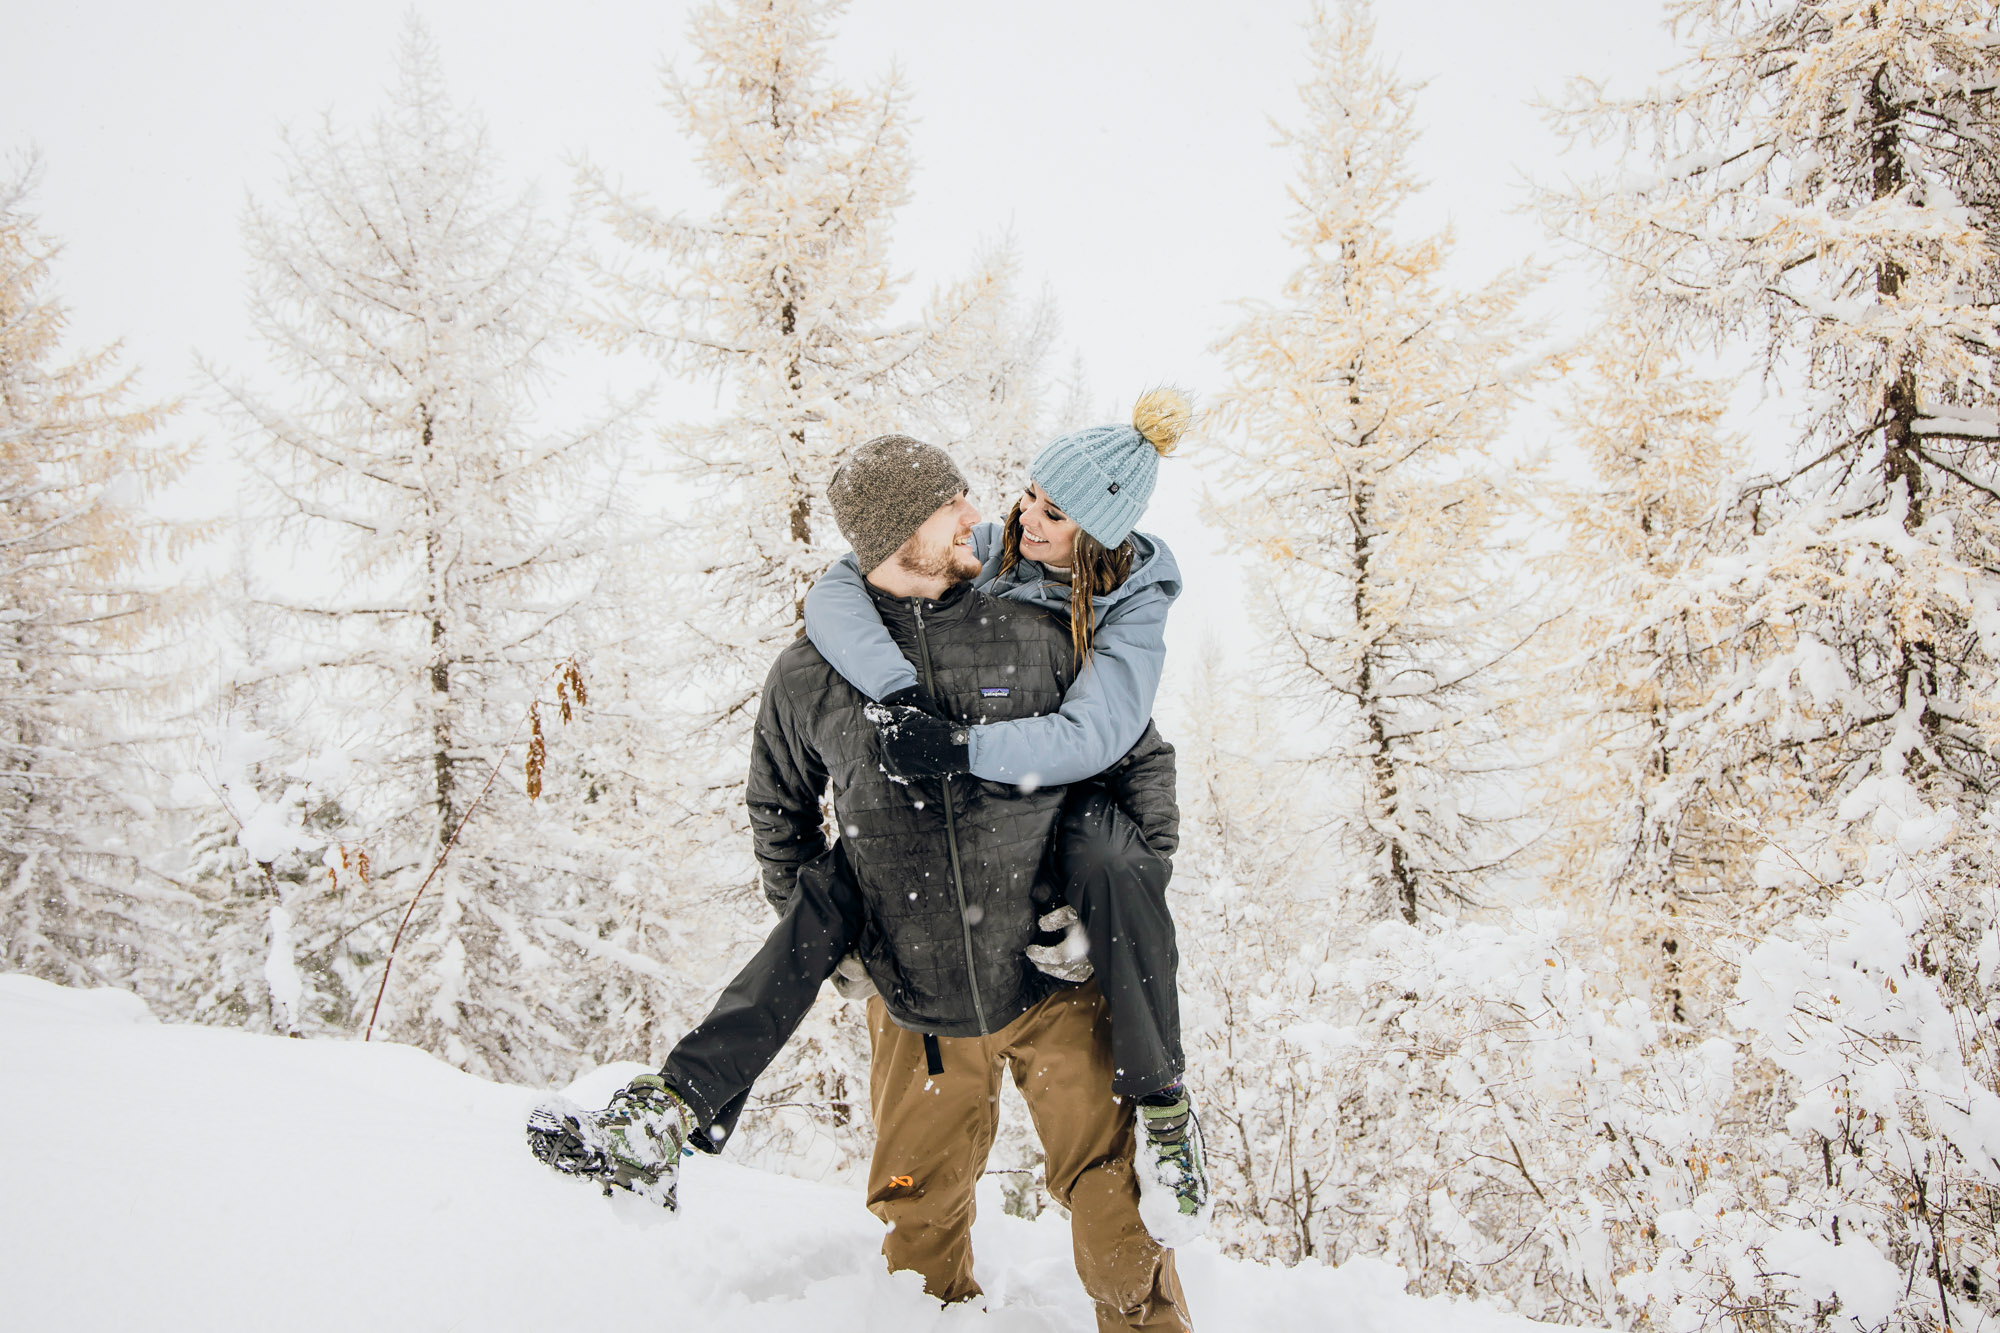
933, 1131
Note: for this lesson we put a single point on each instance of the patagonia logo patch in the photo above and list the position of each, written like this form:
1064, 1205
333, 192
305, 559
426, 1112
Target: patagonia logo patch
995, 692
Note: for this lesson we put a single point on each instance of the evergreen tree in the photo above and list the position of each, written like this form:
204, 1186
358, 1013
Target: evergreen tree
782, 296
1363, 404
78, 904
1818, 183
1259, 921
284, 944
429, 554
985, 376
1641, 783
1825, 184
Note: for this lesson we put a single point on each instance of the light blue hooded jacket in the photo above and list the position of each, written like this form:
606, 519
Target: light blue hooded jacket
1106, 709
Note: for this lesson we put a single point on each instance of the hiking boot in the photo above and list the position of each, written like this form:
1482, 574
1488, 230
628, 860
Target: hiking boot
1173, 1179
635, 1143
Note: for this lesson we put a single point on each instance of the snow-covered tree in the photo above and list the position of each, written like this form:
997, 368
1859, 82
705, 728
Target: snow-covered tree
1822, 181
261, 821
1359, 413
1817, 183
1641, 779
428, 554
259, 851
1361, 405
985, 392
1256, 918
78, 457
781, 295
1877, 1003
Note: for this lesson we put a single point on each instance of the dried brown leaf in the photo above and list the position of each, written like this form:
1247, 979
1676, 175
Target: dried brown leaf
538, 751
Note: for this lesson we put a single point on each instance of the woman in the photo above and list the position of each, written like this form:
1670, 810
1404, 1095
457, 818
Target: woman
1068, 547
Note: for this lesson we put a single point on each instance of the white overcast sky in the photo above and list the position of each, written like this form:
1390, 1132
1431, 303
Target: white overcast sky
1126, 144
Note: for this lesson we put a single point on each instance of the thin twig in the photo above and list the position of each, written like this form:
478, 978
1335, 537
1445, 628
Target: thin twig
568, 665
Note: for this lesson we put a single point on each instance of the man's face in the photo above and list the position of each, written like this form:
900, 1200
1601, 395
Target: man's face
942, 547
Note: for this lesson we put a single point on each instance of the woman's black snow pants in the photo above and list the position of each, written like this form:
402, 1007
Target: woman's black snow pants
1113, 879
1118, 887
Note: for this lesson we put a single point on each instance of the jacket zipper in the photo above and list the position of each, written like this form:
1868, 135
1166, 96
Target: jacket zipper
951, 833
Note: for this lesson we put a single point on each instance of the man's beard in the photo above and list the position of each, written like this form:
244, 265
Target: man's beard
953, 562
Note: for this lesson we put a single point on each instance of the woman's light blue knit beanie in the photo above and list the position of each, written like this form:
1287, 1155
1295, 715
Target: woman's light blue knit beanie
1102, 476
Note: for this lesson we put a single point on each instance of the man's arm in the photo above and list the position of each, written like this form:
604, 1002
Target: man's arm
786, 781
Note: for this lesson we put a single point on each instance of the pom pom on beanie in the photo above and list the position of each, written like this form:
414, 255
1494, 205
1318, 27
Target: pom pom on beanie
1162, 416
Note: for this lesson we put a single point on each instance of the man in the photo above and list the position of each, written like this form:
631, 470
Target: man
938, 883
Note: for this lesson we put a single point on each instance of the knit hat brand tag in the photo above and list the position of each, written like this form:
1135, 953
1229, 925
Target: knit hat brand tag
995, 692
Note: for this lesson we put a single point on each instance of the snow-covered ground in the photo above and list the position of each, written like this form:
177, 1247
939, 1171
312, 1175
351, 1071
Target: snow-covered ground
165, 1177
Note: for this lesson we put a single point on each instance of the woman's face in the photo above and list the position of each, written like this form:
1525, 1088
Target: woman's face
1048, 536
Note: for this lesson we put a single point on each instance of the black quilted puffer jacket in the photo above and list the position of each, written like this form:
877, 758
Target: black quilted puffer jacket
952, 871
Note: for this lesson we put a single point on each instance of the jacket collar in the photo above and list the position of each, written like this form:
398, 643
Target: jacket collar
899, 614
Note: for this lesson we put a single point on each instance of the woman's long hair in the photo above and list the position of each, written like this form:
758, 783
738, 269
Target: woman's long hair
1093, 570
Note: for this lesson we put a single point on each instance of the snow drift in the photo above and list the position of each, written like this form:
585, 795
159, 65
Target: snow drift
164, 1177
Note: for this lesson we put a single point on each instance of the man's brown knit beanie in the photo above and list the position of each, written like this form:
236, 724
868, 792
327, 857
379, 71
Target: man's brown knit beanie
885, 490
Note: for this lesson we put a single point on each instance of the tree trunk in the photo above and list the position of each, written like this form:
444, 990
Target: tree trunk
1400, 885
443, 796
801, 511
1901, 463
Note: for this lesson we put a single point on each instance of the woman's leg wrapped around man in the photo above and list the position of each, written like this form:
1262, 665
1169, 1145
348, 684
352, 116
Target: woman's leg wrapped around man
714, 1065
1118, 886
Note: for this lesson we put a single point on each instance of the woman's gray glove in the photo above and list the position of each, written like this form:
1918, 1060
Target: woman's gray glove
851, 980
1067, 959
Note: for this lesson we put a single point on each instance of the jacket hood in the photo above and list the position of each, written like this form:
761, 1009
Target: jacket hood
1152, 566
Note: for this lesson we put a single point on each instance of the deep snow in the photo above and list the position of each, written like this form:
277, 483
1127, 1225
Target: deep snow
168, 1177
